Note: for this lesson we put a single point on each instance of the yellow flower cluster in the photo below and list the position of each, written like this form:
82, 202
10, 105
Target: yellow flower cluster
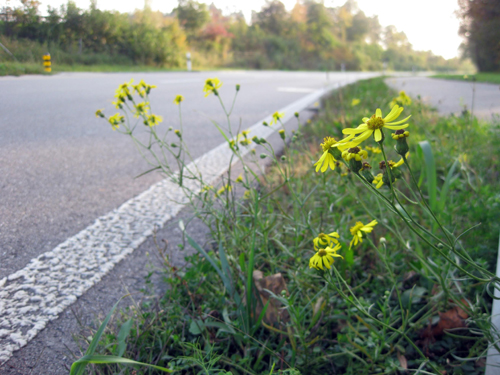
276, 117
326, 246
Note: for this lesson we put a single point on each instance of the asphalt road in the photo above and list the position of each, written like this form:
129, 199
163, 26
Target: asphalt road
61, 168
449, 96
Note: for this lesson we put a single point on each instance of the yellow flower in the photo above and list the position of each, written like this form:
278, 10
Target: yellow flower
211, 86
324, 258
154, 120
358, 229
378, 180
276, 116
324, 240
124, 90
99, 113
375, 150
327, 159
178, 99
355, 153
402, 99
223, 189
373, 125
141, 109
116, 120
239, 179
355, 102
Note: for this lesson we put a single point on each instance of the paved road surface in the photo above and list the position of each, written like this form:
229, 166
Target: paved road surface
61, 168
452, 96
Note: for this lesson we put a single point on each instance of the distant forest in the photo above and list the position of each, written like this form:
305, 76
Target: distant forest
311, 37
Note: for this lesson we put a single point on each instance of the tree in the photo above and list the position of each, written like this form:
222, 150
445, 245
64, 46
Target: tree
192, 16
481, 27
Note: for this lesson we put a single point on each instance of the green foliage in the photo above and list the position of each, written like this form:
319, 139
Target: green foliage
481, 28
380, 309
311, 36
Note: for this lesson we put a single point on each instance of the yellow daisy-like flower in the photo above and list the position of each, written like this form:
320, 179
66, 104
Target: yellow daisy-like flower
373, 125
211, 86
327, 159
124, 89
141, 109
324, 240
116, 120
402, 99
358, 229
324, 258
355, 102
276, 117
178, 99
154, 120
375, 150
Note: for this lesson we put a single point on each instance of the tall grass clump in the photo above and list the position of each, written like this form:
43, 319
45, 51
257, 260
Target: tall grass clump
368, 253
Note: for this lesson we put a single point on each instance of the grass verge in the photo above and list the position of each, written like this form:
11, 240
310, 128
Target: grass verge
409, 308
479, 77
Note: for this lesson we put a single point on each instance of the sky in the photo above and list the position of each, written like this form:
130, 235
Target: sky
428, 24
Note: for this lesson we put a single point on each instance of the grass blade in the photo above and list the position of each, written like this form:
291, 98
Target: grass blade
425, 150
79, 366
111, 359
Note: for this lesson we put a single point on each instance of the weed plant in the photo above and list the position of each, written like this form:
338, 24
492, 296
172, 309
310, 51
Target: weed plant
343, 272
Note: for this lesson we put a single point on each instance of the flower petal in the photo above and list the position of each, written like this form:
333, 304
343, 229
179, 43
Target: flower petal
396, 127
397, 122
378, 112
394, 114
378, 135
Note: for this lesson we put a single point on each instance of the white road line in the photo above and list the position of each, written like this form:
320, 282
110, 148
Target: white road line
36, 294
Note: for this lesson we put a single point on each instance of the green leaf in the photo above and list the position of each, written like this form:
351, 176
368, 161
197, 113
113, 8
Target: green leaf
450, 177
349, 257
196, 327
109, 359
78, 367
425, 151
122, 336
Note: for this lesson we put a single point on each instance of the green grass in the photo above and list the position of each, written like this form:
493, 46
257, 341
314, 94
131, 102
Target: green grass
200, 323
480, 77
17, 69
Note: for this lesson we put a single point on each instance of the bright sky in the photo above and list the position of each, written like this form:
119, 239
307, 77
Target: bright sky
428, 24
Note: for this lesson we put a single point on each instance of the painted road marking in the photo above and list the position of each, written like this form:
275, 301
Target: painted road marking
38, 293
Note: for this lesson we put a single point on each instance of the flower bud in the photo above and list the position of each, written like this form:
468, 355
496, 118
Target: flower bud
263, 156
401, 144
282, 134
296, 114
238, 87
265, 123
178, 133
366, 172
283, 158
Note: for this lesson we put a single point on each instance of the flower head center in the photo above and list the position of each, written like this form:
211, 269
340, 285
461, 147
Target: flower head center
322, 252
355, 229
354, 150
327, 143
375, 122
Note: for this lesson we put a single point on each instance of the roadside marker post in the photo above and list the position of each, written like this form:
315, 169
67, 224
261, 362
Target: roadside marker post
47, 64
188, 57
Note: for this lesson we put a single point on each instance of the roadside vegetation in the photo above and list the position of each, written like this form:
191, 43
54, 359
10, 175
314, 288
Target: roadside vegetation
309, 37
479, 77
347, 267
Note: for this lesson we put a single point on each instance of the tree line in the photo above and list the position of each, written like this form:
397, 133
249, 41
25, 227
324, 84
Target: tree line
310, 36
